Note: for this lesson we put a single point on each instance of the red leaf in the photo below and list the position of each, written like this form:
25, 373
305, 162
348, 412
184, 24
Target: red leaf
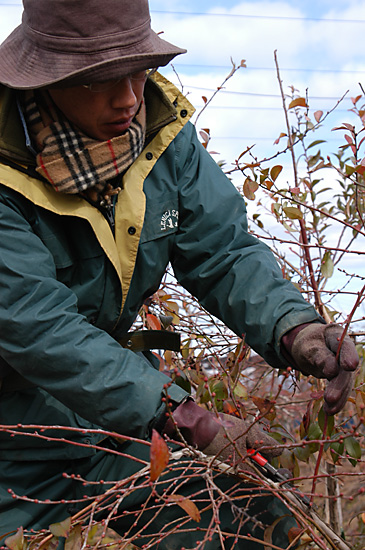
345, 126
230, 408
279, 138
161, 361
249, 188
294, 533
318, 115
153, 322
187, 505
349, 127
265, 406
159, 455
355, 99
360, 170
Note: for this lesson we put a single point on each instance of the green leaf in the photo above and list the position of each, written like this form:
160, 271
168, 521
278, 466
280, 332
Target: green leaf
287, 459
61, 529
314, 431
314, 159
219, 388
282, 433
74, 540
302, 453
275, 171
349, 169
293, 213
16, 542
288, 228
317, 142
180, 379
330, 422
275, 208
327, 266
249, 189
185, 350
353, 449
337, 449
240, 391
92, 535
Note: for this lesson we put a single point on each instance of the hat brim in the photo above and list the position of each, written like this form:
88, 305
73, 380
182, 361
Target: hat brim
24, 65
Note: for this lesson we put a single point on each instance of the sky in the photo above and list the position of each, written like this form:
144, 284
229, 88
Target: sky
317, 51
319, 45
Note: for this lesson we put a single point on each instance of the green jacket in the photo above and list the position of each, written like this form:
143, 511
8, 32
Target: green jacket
69, 287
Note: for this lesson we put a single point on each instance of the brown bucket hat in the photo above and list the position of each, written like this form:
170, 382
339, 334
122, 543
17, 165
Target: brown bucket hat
72, 42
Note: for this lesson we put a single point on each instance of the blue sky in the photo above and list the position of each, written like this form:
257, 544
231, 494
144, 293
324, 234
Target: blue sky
320, 50
325, 57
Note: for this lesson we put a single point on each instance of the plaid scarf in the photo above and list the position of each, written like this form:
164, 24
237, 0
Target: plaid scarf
70, 160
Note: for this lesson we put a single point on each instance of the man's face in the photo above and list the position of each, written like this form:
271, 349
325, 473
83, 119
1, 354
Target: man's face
101, 115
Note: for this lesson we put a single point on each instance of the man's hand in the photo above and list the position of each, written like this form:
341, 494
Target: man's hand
235, 436
314, 349
224, 436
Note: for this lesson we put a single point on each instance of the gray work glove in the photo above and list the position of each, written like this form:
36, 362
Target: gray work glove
224, 436
313, 348
235, 436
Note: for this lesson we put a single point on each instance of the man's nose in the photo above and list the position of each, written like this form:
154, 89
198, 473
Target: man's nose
122, 95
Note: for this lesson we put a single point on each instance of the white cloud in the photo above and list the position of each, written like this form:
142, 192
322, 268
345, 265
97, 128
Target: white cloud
10, 17
300, 44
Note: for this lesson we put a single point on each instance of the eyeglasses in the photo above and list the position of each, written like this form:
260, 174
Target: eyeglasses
138, 76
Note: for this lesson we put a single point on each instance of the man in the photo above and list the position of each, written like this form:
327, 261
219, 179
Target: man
95, 153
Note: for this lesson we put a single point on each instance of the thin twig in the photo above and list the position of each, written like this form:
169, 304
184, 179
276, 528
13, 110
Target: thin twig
303, 231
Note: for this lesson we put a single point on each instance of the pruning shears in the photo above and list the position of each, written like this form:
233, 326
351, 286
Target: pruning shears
275, 475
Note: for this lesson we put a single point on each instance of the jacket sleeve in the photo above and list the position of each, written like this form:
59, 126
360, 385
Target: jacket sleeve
234, 275
45, 339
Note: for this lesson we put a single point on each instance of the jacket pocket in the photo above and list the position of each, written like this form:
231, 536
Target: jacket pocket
161, 218
70, 240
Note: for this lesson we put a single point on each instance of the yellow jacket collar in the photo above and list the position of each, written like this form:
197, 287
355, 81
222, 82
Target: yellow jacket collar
121, 249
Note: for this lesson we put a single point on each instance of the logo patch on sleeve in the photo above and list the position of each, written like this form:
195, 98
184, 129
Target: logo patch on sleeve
169, 220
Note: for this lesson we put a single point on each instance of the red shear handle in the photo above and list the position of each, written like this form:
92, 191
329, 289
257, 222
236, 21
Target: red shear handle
257, 457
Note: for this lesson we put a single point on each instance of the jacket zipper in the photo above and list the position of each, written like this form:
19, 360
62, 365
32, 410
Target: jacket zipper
109, 214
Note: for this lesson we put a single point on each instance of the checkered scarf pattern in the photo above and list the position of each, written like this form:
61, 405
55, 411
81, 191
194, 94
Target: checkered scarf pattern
70, 160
